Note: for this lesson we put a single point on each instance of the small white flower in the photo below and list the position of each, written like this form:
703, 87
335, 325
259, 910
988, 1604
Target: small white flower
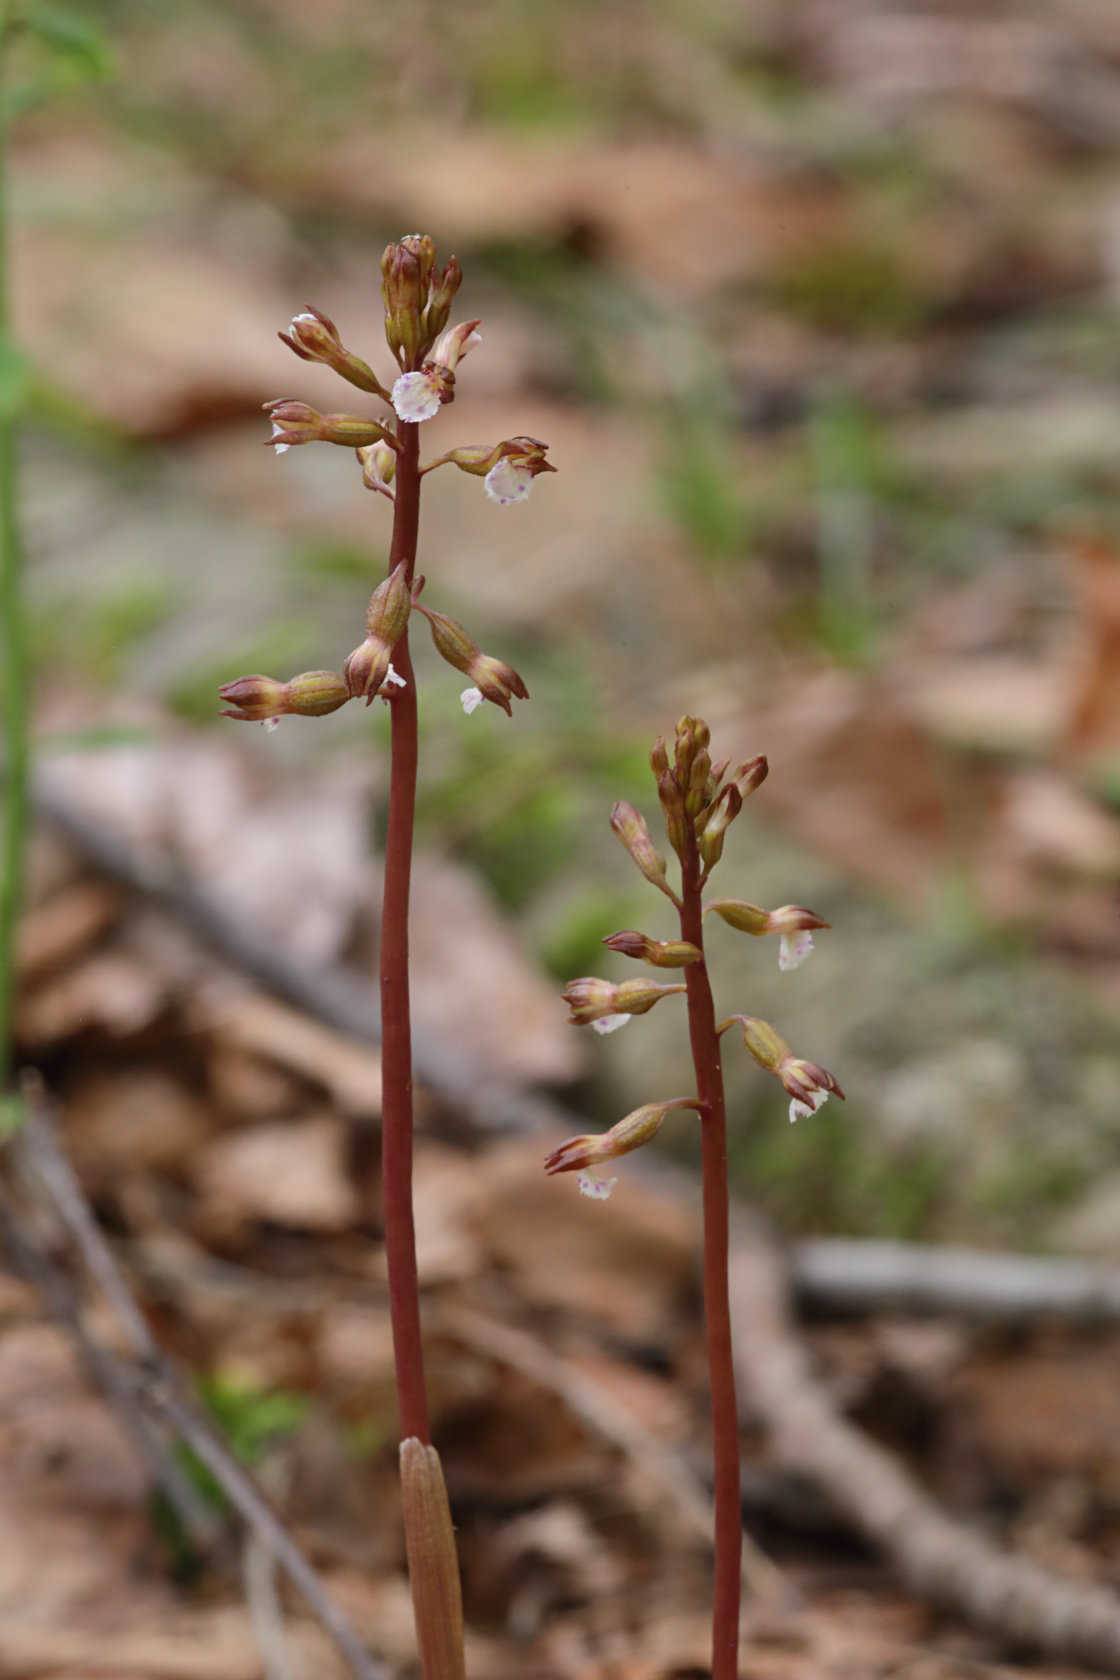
472, 698
597, 1188
303, 315
799, 1110
507, 482
269, 724
793, 950
610, 1023
416, 396
391, 676
278, 431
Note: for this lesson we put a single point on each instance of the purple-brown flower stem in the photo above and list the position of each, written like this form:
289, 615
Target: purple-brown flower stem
396, 1031
717, 1305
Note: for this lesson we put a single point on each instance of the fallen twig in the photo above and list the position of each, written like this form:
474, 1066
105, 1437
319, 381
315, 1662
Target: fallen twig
939, 1558
107, 1371
156, 1386
860, 1276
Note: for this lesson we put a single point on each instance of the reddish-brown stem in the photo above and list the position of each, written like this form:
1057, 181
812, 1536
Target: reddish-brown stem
396, 1031
717, 1306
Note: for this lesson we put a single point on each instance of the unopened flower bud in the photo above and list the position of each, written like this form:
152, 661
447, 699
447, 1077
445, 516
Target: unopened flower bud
456, 343
257, 699
630, 827
750, 775
314, 338
433, 1568
591, 1150
379, 467
591, 999
659, 953
404, 288
443, 286
696, 794
659, 758
296, 422
808, 1085
677, 825
723, 814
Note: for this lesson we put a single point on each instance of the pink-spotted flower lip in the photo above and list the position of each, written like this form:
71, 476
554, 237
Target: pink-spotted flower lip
610, 1023
596, 1189
508, 481
471, 699
793, 949
417, 396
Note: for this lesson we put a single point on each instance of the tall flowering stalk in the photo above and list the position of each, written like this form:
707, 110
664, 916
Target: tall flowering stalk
417, 295
699, 801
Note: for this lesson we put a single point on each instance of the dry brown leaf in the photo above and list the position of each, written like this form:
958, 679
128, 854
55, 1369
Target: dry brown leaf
476, 987
256, 1025
628, 1263
57, 931
293, 1174
111, 993
142, 1118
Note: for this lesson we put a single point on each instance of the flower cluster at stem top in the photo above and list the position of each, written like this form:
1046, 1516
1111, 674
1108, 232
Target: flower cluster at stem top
699, 801
417, 296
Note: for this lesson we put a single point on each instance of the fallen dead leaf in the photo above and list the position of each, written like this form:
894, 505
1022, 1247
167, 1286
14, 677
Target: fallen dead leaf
57, 931
256, 1025
292, 1174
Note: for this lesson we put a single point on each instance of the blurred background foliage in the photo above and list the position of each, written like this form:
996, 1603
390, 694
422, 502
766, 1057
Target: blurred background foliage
817, 308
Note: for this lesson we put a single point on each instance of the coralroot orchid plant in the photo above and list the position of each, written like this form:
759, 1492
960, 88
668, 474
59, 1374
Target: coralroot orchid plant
418, 296
699, 801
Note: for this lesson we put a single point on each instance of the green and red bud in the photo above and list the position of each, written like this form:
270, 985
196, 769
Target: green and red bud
256, 699
444, 284
405, 273
630, 827
591, 999
315, 338
719, 819
296, 422
659, 953
593, 1149
750, 775
696, 792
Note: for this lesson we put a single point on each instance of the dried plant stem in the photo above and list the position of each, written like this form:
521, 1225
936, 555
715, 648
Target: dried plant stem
717, 1309
396, 1030
14, 663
